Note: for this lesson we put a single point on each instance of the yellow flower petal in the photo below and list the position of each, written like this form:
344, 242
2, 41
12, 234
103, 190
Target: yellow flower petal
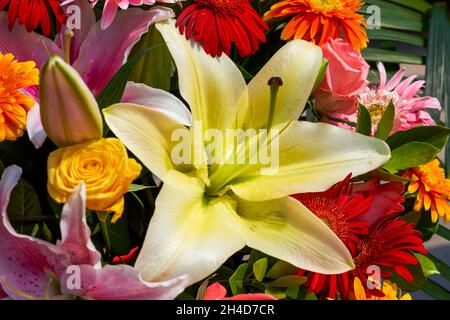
287, 230
297, 64
214, 88
188, 233
313, 157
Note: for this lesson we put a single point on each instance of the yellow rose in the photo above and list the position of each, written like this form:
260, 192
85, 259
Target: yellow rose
102, 164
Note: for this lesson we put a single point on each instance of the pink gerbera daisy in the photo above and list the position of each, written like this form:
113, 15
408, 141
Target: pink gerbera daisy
410, 107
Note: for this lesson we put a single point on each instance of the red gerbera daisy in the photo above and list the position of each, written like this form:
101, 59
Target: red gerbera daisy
216, 24
33, 13
341, 211
388, 246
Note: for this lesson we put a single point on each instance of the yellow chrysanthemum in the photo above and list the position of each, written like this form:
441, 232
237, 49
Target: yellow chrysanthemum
433, 189
14, 104
319, 21
390, 290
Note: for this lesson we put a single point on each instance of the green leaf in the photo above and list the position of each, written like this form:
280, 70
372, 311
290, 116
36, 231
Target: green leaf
418, 279
23, 206
443, 268
410, 155
138, 187
376, 54
288, 281
428, 267
397, 36
443, 232
156, 69
259, 269
427, 227
364, 124
114, 90
280, 269
434, 135
386, 123
237, 279
202, 289
419, 5
435, 290
279, 294
321, 74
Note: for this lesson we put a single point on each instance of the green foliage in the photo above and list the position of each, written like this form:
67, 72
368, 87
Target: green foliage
386, 123
364, 124
410, 155
237, 279
259, 269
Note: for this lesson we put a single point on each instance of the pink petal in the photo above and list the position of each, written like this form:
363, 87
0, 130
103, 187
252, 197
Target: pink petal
383, 76
35, 130
215, 292
122, 282
405, 84
395, 80
105, 51
144, 95
109, 13
25, 262
252, 296
23, 45
86, 22
75, 233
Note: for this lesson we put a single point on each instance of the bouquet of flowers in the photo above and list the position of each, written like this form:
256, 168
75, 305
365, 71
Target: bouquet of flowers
214, 149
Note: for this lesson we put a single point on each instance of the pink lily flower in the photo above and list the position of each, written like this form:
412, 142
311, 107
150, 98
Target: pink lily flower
95, 53
111, 7
34, 269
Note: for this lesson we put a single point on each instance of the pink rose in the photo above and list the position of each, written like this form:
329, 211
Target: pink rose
345, 78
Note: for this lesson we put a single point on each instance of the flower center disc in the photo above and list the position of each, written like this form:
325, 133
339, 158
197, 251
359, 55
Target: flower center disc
326, 5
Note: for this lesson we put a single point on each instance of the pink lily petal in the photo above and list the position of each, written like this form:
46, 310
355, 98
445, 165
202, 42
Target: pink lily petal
122, 282
144, 95
23, 45
109, 13
87, 20
26, 263
35, 130
105, 51
76, 235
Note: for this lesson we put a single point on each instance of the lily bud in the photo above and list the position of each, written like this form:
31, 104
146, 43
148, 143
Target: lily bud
69, 111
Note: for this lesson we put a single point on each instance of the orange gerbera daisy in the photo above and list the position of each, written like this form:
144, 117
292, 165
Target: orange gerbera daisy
433, 189
14, 104
319, 21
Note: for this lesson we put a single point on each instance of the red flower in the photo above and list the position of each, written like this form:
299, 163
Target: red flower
128, 257
216, 24
33, 13
387, 244
218, 292
341, 211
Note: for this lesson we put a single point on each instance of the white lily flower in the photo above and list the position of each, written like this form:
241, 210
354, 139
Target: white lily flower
207, 211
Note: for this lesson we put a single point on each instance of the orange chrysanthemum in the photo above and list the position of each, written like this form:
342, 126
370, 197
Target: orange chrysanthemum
14, 104
433, 189
319, 21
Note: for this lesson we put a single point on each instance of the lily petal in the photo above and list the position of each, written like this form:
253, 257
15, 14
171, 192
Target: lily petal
87, 20
139, 93
313, 157
297, 64
214, 88
25, 262
203, 233
146, 132
287, 230
122, 283
75, 233
110, 48
25, 46
35, 130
